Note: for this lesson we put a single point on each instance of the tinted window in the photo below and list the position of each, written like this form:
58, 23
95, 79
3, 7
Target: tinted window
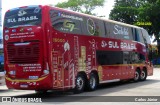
126, 59
138, 36
133, 33
23, 16
141, 36
108, 30
109, 57
66, 22
146, 36
137, 57
118, 31
93, 27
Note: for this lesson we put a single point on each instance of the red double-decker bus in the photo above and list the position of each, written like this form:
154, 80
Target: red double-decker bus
49, 48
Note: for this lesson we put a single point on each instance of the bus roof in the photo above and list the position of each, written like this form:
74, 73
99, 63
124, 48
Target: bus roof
82, 14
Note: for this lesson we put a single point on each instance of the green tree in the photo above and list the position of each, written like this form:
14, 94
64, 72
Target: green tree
149, 11
125, 11
83, 6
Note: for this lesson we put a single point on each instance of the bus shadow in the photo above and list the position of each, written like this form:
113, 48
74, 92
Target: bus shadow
4, 90
128, 84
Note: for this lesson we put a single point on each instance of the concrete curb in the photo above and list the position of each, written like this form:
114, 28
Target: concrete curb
4, 87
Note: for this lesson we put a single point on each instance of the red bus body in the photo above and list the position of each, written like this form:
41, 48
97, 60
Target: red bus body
40, 57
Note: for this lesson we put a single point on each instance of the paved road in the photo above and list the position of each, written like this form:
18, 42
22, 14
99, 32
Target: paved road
148, 88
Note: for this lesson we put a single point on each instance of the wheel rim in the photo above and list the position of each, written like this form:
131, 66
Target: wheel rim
92, 82
80, 83
143, 74
136, 76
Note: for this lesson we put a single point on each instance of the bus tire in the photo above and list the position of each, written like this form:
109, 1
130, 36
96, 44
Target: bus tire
137, 75
92, 82
143, 75
80, 84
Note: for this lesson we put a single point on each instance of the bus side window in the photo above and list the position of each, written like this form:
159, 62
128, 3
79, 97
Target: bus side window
105, 29
133, 33
93, 27
126, 59
137, 57
120, 31
108, 30
99, 28
102, 28
134, 57
141, 36
130, 34
146, 36
61, 23
88, 26
137, 36
109, 57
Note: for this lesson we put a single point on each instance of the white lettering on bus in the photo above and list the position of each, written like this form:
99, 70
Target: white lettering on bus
121, 45
27, 18
127, 45
11, 20
113, 44
72, 17
120, 30
22, 19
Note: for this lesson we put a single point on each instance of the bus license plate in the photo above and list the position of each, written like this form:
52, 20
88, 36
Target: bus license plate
24, 86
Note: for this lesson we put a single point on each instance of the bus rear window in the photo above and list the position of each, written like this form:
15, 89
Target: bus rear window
26, 16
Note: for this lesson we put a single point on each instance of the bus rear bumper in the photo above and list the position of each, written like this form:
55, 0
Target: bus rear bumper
43, 83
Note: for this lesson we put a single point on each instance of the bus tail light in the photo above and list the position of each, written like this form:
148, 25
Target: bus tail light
46, 70
12, 72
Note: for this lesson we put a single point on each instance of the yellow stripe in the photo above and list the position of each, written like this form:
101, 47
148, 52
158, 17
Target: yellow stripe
17, 80
125, 65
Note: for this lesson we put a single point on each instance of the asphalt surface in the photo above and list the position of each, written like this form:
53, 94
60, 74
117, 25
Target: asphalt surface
119, 93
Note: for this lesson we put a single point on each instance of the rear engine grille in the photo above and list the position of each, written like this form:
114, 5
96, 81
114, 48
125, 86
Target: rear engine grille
23, 53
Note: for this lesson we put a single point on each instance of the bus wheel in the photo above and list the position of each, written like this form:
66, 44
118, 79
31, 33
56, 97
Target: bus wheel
93, 82
137, 75
143, 75
80, 84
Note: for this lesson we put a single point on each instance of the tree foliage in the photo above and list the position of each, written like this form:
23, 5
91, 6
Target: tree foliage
149, 11
125, 11
83, 6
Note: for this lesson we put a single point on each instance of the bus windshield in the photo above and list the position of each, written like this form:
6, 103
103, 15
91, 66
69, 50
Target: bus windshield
25, 16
